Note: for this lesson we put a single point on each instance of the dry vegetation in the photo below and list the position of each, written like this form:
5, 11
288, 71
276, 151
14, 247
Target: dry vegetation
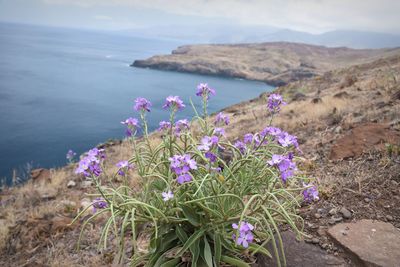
35, 217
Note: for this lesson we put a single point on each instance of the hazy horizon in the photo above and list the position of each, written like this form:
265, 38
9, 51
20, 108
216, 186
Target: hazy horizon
310, 16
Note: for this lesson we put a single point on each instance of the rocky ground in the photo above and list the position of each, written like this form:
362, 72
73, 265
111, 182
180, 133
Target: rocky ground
276, 63
348, 124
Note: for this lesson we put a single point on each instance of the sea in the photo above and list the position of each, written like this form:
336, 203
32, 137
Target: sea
64, 89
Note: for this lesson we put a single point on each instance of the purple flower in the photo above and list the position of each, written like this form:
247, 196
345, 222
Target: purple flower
221, 118
123, 166
245, 233
181, 165
204, 91
219, 131
207, 142
286, 140
90, 164
310, 193
164, 125
130, 122
174, 102
285, 165
271, 131
275, 102
241, 146
211, 156
167, 195
181, 125
70, 155
99, 203
183, 178
142, 104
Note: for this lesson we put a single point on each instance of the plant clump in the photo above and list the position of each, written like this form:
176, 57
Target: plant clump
198, 207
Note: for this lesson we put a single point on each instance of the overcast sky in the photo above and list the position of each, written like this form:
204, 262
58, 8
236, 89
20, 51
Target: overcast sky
313, 16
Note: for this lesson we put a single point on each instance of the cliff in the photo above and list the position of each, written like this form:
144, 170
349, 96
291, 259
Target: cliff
274, 63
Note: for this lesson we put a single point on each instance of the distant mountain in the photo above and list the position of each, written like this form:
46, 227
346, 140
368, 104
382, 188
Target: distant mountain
229, 34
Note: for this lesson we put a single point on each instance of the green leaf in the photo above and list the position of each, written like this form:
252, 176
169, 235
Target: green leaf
207, 253
255, 248
195, 250
171, 263
234, 261
217, 249
192, 239
181, 234
191, 215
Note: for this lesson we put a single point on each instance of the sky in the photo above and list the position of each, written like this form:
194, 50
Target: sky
314, 16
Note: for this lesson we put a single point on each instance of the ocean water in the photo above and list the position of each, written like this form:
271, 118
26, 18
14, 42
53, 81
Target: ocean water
66, 89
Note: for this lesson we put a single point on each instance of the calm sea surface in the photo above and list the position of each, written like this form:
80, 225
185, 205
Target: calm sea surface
66, 89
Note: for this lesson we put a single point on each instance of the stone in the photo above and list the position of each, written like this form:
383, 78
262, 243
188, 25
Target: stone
317, 216
300, 254
338, 130
345, 213
370, 243
86, 184
362, 139
41, 175
71, 184
315, 240
389, 218
332, 211
49, 194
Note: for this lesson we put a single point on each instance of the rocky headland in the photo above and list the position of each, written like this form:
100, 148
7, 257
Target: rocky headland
276, 63
347, 119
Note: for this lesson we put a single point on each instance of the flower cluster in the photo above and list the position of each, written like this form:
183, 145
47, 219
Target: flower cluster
283, 138
310, 193
275, 101
181, 125
164, 126
285, 165
99, 203
205, 91
123, 166
207, 142
167, 195
70, 155
174, 102
181, 165
221, 119
90, 164
132, 124
142, 104
245, 236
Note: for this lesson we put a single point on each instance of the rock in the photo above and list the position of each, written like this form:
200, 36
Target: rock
71, 184
49, 194
363, 138
317, 216
337, 219
332, 211
315, 240
40, 175
300, 254
367, 200
343, 94
346, 213
86, 184
370, 243
316, 100
389, 218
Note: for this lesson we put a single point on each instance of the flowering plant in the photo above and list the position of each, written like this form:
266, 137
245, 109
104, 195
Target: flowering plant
203, 199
